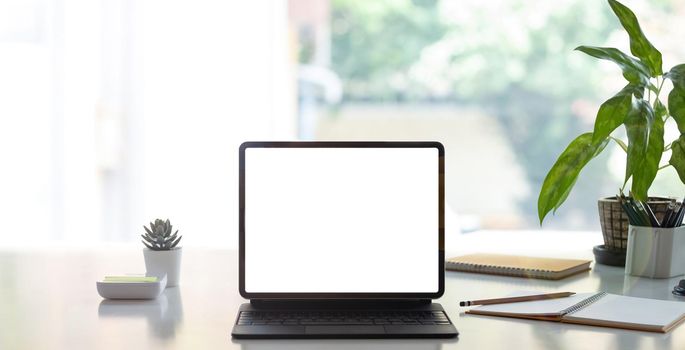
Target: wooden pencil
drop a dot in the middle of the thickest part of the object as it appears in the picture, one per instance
(516, 299)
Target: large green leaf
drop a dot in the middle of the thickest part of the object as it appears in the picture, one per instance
(678, 157)
(563, 197)
(676, 99)
(633, 70)
(644, 175)
(659, 109)
(638, 124)
(677, 75)
(613, 111)
(639, 45)
(564, 172)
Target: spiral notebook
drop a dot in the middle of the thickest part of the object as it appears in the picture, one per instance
(518, 266)
(595, 309)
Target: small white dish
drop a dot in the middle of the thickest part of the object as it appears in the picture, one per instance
(131, 290)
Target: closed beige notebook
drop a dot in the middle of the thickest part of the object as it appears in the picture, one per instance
(518, 266)
(595, 309)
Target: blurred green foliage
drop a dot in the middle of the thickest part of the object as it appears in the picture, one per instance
(461, 50)
(511, 58)
(374, 42)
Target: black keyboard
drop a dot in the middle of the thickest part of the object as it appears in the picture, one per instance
(341, 317)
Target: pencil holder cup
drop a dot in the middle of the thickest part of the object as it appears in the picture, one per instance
(655, 252)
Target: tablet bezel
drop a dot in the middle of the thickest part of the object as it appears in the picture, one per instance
(344, 144)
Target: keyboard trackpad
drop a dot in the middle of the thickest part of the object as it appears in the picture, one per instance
(344, 330)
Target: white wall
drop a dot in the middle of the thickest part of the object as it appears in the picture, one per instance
(113, 113)
(214, 75)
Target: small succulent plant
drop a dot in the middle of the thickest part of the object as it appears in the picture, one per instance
(159, 237)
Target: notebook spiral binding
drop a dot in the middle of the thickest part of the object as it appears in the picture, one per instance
(583, 303)
(481, 267)
(498, 270)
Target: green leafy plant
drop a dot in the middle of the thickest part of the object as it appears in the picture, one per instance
(159, 237)
(638, 108)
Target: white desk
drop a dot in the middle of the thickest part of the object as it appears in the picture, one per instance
(48, 301)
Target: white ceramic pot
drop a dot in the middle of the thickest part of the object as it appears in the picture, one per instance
(167, 262)
(655, 252)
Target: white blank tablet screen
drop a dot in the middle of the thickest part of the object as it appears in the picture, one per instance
(341, 220)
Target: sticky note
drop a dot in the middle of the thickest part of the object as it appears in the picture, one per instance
(130, 279)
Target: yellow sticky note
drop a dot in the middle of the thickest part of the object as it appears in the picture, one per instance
(129, 279)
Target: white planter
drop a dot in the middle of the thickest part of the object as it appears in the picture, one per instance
(167, 262)
(655, 252)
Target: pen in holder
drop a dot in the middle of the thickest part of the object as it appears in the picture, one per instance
(655, 247)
